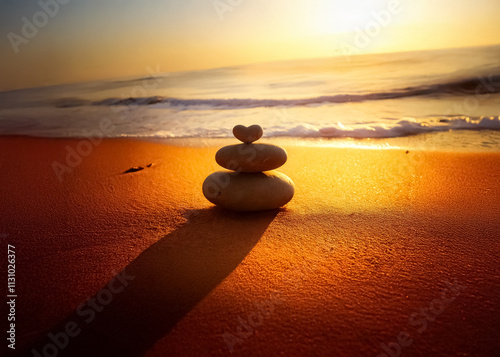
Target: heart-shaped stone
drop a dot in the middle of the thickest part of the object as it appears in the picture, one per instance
(248, 135)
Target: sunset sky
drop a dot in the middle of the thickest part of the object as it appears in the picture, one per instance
(93, 39)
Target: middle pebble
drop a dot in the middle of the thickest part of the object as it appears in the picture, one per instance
(251, 157)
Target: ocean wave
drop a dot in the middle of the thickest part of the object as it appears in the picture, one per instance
(471, 86)
(404, 127)
(167, 123)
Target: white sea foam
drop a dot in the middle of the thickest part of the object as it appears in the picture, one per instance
(411, 127)
(171, 123)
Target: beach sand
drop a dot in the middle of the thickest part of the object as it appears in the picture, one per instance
(380, 251)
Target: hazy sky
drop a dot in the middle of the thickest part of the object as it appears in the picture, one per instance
(94, 39)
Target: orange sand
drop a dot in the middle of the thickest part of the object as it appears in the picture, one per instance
(371, 238)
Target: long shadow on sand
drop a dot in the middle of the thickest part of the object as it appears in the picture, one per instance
(170, 278)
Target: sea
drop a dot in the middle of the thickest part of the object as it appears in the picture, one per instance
(444, 99)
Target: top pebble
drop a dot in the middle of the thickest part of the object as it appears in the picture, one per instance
(248, 135)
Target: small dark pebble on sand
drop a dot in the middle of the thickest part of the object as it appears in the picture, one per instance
(133, 169)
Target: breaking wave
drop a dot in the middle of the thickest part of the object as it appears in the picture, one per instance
(475, 86)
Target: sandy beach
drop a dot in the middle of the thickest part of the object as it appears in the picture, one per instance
(382, 252)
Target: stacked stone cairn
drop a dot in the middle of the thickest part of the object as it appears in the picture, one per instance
(251, 184)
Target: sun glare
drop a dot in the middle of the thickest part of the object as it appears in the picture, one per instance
(341, 17)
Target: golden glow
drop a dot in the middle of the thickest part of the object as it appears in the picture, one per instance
(349, 180)
(97, 40)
